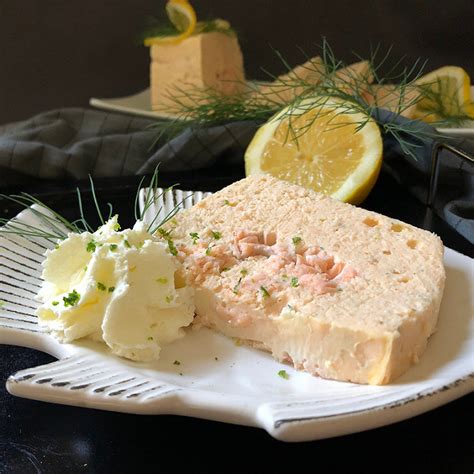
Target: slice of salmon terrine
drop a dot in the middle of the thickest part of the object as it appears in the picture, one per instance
(333, 289)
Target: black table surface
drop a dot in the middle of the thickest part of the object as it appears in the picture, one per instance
(43, 437)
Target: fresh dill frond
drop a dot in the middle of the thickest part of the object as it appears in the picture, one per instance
(161, 27)
(54, 227)
(338, 91)
(439, 104)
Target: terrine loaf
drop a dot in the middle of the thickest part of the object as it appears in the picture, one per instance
(338, 291)
(207, 60)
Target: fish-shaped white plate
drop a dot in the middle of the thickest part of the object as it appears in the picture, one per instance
(217, 380)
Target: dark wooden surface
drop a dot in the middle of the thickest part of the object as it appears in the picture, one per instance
(40, 437)
(57, 53)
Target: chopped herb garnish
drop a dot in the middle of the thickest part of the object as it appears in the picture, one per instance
(169, 299)
(285, 277)
(208, 250)
(117, 227)
(150, 338)
(164, 233)
(176, 362)
(55, 303)
(113, 247)
(265, 292)
(228, 203)
(225, 269)
(162, 280)
(173, 249)
(194, 236)
(127, 243)
(244, 272)
(71, 299)
(111, 289)
(56, 246)
(140, 245)
(283, 374)
(174, 222)
(216, 235)
(237, 286)
(85, 268)
(294, 282)
(91, 246)
(101, 286)
(296, 240)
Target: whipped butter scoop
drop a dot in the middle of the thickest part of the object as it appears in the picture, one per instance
(115, 286)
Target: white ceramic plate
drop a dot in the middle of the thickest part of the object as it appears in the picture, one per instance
(140, 104)
(221, 381)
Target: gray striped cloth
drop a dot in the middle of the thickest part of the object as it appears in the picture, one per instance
(74, 142)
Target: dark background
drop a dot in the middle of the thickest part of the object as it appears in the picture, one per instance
(57, 53)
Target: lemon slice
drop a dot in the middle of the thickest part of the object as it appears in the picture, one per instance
(183, 17)
(445, 92)
(328, 155)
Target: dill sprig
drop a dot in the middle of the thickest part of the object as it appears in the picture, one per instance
(336, 91)
(440, 105)
(159, 28)
(54, 227)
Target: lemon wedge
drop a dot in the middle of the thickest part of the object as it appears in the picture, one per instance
(320, 148)
(444, 92)
(183, 17)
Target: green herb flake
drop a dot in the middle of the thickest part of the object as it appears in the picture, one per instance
(228, 203)
(225, 269)
(101, 286)
(294, 282)
(113, 247)
(169, 299)
(296, 240)
(264, 292)
(285, 277)
(208, 250)
(2, 303)
(176, 362)
(235, 290)
(283, 374)
(91, 246)
(162, 280)
(71, 299)
(244, 272)
(127, 243)
(172, 248)
(55, 303)
(111, 289)
(150, 338)
(216, 235)
(140, 245)
(164, 233)
(117, 227)
(194, 236)
(56, 246)
(85, 268)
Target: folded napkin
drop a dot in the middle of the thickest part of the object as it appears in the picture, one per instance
(75, 142)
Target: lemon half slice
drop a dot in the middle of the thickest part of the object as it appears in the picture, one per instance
(183, 17)
(320, 148)
(446, 90)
